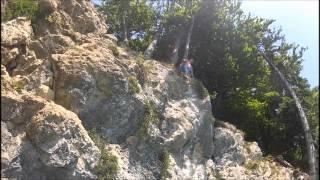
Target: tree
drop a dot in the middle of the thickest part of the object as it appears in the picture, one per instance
(3, 7)
(303, 118)
(175, 52)
(186, 51)
(152, 46)
(135, 30)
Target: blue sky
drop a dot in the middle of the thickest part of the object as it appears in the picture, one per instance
(300, 24)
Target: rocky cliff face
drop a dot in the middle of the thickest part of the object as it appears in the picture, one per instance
(66, 77)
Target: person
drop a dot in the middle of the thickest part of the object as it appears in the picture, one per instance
(186, 67)
(183, 68)
(189, 65)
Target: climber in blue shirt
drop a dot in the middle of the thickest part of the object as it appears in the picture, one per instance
(186, 68)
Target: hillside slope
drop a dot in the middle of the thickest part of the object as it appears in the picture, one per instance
(66, 78)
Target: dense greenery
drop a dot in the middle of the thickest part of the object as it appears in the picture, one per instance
(16, 8)
(224, 45)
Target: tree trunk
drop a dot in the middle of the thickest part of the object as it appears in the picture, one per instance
(124, 8)
(152, 46)
(303, 119)
(187, 47)
(175, 52)
(3, 7)
(125, 31)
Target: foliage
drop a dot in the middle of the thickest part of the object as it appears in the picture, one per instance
(251, 165)
(16, 8)
(98, 140)
(143, 70)
(262, 164)
(108, 164)
(114, 50)
(150, 116)
(165, 164)
(54, 18)
(133, 85)
(313, 113)
(224, 45)
(201, 90)
(18, 86)
(139, 18)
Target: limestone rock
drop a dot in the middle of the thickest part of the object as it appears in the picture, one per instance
(235, 158)
(111, 37)
(45, 92)
(48, 5)
(42, 140)
(230, 147)
(69, 16)
(16, 32)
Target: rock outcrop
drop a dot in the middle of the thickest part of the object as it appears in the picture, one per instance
(64, 77)
(235, 158)
(42, 140)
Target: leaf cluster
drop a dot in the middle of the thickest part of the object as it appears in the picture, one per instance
(17, 8)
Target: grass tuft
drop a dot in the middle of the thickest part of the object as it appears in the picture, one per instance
(133, 85)
(143, 70)
(164, 165)
(201, 90)
(114, 50)
(150, 116)
(107, 166)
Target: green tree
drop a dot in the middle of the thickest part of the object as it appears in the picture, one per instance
(130, 21)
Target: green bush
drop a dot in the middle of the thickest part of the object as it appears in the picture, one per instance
(114, 50)
(150, 116)
(16, 8)
(18, 86)
(251, 165)
(54, 18)
(133, 85)
(108, 164)
(165, 164)
(143, 70)
(201, 90)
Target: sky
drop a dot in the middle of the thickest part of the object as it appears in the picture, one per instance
(299, 20)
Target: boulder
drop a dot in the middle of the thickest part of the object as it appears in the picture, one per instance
(67, 17)
(42, 140)
(16, 32)
(231, 149)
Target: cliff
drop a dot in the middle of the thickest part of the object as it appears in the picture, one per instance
(64, 77)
